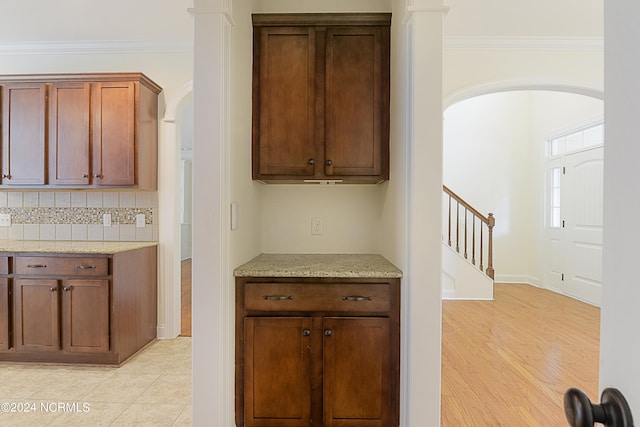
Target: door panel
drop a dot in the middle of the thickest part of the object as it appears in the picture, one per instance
(584, 182)
(85, 315)
(285, 130)
(23, 118)
(36, 310)
(355, 101)
(69, 133)
(114, 144)
(5, 313)
(356, 372)
(277, 372)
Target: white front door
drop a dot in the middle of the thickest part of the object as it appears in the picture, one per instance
(575, 236)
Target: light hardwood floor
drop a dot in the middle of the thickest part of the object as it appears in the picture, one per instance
(508, 362)
(185, 278)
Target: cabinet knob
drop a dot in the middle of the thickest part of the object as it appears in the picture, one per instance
(311, 161)
(86, 175)
(52, 289)
(306, 332)
(99, 176)
(68, 288)
(327, 332)
(6, 175)
(329, 162)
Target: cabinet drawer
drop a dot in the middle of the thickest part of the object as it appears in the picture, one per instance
(338, 297)
(4, 264)
(62, 266)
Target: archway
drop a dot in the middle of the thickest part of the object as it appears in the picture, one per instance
(169, 298)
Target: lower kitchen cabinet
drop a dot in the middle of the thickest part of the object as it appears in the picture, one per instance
(37, 315)
(81, 304)
(5, 318)
(317, 352)
(97, 309)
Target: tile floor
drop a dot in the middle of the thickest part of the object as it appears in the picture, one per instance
(151, 389)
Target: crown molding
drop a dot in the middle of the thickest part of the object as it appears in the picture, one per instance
(525, 43)
(95, 46)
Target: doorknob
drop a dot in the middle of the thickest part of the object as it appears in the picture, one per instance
(613, 410)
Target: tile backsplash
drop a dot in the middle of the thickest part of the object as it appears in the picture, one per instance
(78, 215)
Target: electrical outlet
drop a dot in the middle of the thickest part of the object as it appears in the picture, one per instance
(5, 220)
(106, 220)
(316, 225)
(140, 220)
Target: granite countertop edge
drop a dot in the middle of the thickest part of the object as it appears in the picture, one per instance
(319, 265)
(72, 247)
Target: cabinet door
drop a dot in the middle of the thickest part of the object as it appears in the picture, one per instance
(23, 133)
(357, 102)
(357, 372)
(277, 388)
(85, 315)
(36, 309)
(5, 323)
(69, 134)
(284, 102)
(114, 144)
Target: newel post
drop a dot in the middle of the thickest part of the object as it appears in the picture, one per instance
(490, 223)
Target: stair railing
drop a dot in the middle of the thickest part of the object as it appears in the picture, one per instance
(460, 214)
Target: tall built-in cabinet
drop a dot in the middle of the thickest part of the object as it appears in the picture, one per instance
(321, 97)
(79, 131)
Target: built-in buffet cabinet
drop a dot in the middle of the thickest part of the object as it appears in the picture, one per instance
(77, 306)
(321, 97)
(79, 131)
(317, 341)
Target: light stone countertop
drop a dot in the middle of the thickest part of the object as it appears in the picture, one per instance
(71, 247)
(318, 265)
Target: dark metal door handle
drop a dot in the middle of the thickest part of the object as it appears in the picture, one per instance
(613, 410)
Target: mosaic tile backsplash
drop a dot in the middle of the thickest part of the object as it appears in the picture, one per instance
(78, 215)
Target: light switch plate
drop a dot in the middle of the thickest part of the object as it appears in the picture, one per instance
(5, 220)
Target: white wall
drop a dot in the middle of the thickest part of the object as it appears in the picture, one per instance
(494, 159)
(487, 161)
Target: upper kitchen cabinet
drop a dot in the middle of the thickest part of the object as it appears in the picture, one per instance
(321, 97)
(101, 131)
(23, 133)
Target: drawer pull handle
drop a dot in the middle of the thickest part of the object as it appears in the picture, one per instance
(356, 298)
(36, 265)
(278, 297)
(85, 267)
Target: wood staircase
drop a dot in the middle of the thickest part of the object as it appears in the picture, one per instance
(468, 234)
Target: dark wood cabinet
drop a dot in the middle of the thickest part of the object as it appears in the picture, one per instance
(317, 352)
(69, 131)
(85, 315)
(23, 133)
(37, 315)
(5, 313)
(102, 130)
(278, 371)
(321, 97)
(78, 308)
